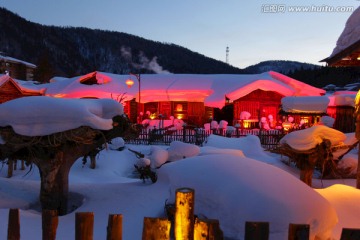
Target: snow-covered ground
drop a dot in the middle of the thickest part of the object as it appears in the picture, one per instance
(230, 184)
(234, 180)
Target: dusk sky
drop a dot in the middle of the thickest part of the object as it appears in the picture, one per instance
(254, 31)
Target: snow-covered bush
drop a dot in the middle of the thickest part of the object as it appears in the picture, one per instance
(117, 144)
(327, 121)
(158, 156)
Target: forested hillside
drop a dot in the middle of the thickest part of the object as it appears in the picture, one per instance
(70, 51)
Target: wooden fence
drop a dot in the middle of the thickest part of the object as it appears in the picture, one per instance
(180, 224)
(269, 138)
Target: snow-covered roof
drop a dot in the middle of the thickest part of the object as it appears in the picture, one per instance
(21, 87)
(14, 60)
(208, 88)
(350, 34)
(342, 98)
(308, 104)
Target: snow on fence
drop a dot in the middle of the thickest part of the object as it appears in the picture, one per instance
(180, 223)
(163, 136)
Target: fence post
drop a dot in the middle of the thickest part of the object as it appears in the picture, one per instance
(156, 229)
(350, 234)
(256, 230)
(299, 231)
(84, 225)
(184, 134)
(50, 223)
(13, 224)
(114, 228)
(148, 136)
(184, 214)
(207, 229)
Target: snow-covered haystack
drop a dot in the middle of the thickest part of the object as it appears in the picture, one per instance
(40, 116)
(237, 189)
(308, 138)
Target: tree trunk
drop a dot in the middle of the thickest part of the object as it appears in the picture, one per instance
(92, 161)
(55, 183)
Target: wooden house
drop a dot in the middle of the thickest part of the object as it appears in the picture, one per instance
(194, 98)
(10, 89)
(348, 57)
(261, 98)
(304, 111)
(16, 68)
(342, 108)
(345, 54)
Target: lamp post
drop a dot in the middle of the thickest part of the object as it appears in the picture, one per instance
(138, 77)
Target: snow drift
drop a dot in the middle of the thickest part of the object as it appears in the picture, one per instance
(273, 195)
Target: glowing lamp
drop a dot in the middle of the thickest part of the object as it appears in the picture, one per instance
(286, 125)
(180, 116)
(152, 116)
(129, 83)
(179, 107)
(246, 124)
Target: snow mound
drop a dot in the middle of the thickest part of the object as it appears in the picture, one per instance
(255, 151)
(40, 116)
(179, 150)
(227, 189)
(206, 150)
(341, 197)
(308, 138)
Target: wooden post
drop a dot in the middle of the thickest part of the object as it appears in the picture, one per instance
(201, 230)
(207, 229)
(50, 223)
(84, 225)
(184, 214)
(350, 234)
(14, 225)
(156, 229)
(299, 231)
(184, 134)
(114, 228)
(256, 230)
